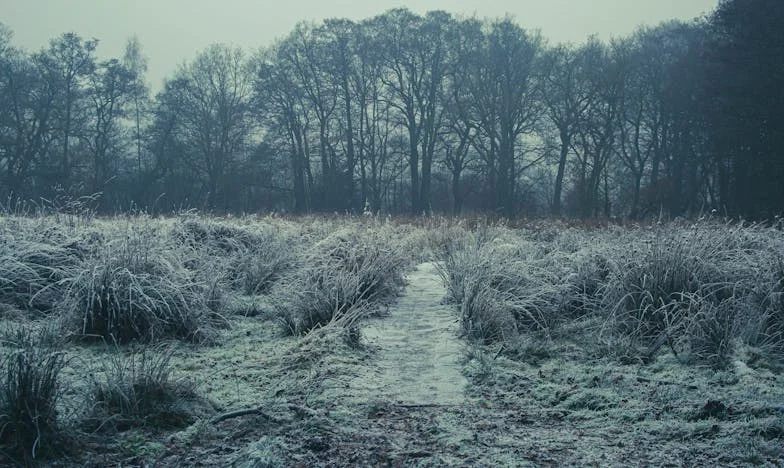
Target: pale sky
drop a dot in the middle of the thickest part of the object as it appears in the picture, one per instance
(174, 31)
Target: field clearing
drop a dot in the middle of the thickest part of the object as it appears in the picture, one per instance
(267, 341)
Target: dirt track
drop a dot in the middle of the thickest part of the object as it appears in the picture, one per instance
(417, 348)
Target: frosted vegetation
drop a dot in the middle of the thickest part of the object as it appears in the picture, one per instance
(700, 290)
(216, 340)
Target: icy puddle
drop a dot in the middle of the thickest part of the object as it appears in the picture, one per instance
(417, 348)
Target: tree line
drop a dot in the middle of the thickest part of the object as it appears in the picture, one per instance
(408, 113)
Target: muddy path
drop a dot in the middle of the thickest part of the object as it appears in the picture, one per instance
(417, 349)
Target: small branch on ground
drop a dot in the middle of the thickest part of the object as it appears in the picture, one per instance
(244, 412)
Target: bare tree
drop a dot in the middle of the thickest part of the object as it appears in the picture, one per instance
(567, 96)
(415, 58)
(67, 65)
(504, 99)
(375, 124)
(136, 62)
(110, 89)
(213, 105)
(596, 138)
(279, 103)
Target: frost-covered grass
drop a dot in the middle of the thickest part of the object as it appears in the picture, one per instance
(666, 339)
(349, 270)
(30, 367)
(136, 287)
(582, 341)
(701, 291)
(137, 389)
(130, 283)
(35, 256)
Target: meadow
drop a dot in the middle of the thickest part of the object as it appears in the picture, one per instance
(201, 340)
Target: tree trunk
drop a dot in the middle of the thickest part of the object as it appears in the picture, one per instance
(298, 173)
(66, 164)
(559, 177)
(635, 211)
(350, 156)
(326, 170)
(414, 170)
(457, 196)
(505, 203)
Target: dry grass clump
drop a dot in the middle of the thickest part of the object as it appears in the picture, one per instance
(253, 269)
(350, 268)
(709, 333)
(657, 276)
(687, 287)
(203, 232)
(137, 288)
(249, 258)
(33, 262)
(29, 391)
(759, 321)
(696, 290)
(137, 389)
(30, 273)
(501, 284)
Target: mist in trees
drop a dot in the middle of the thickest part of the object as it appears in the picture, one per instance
(408, 113)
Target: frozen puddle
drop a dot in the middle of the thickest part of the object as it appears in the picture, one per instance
(416, 361)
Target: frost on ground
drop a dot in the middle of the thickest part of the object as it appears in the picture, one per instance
(297, 344)
(417, 349)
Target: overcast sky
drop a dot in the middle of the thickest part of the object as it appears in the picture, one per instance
(173, 31)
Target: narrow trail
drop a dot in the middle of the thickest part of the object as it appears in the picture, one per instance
(417, 348)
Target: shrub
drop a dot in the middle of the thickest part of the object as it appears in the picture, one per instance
(29, 392)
